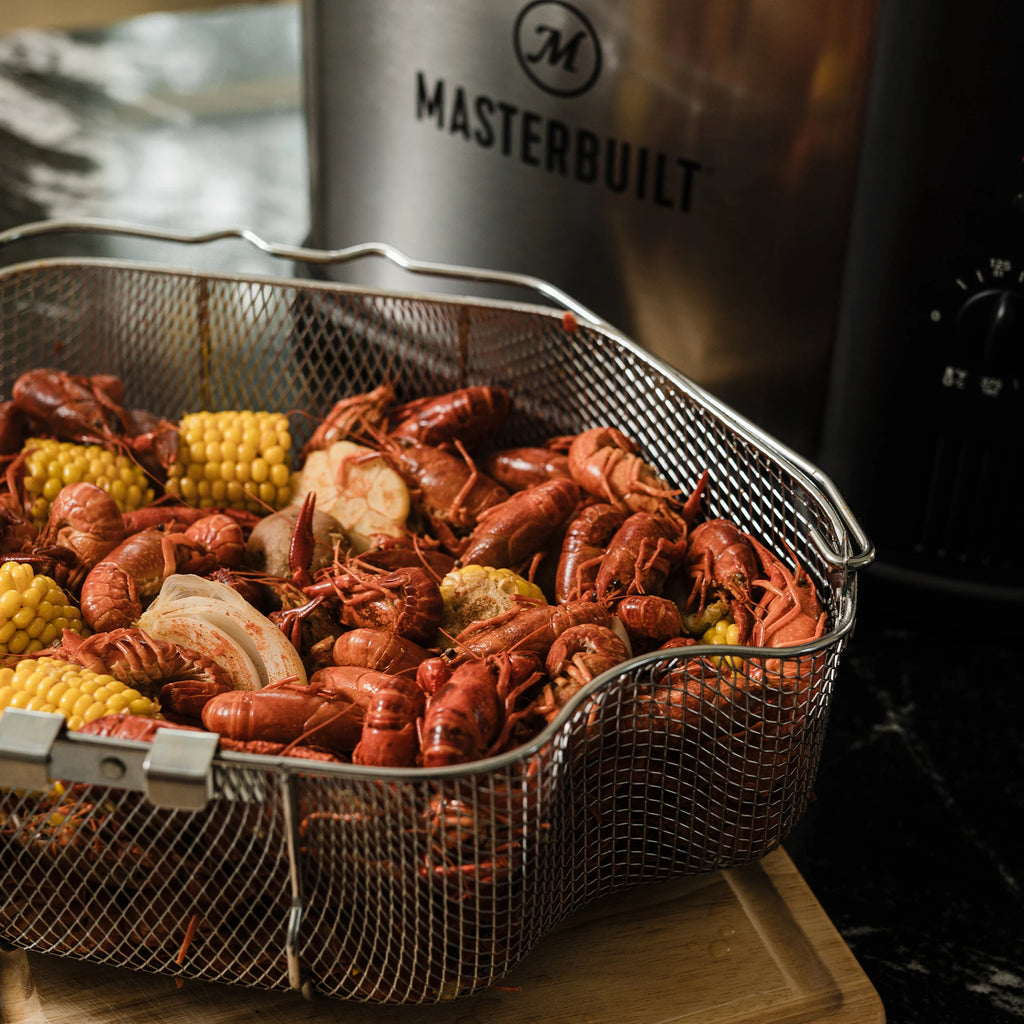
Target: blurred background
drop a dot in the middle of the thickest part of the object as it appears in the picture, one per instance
(184, 116)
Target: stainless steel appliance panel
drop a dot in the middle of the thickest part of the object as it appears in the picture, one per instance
(684, 169)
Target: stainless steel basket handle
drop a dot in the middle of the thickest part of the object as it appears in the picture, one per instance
(863, 550)
(302, 254)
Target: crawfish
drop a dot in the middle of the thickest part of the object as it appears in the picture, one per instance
(352, 419)
(413, 549)
(648, 618)
(86, 520)
(20, 539)
(519, 468)
(698, 694)
(72, 408)
(219, 535)
(266, 748)
(118, 587)
(450, 490)
(153, 441)
(406, 601)
(789, 612)
(180, 678)
(513, 533)
(144, 729)
(288, 712)
(607, 463)
(354, 681)
(721, 564)
(432, 673)
(126, 726)
(640, 555)
(472, 714)
(88, 409)
(178, 517)
(16, 530)
(466, 415)
(311, 624)
(527, 628)
(390, 736)
(379, 649)
(576, 657)
(586, 540)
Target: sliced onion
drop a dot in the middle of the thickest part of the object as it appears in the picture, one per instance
(198, 634)
(215, 620)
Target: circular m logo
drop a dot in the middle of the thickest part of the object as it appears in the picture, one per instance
(557, 47)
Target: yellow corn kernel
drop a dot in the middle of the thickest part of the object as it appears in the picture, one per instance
(724, 631)
(33, 610)
(233, 459)
(50, 464)
(79, 694)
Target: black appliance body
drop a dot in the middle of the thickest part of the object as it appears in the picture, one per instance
(923, 424)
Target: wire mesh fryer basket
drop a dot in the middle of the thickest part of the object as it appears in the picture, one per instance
(394, 886)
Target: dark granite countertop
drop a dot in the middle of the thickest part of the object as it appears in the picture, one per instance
(913, 843)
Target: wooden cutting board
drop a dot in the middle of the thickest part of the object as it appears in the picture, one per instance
(746, 946)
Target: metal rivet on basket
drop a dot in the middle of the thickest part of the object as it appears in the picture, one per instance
(111, 768)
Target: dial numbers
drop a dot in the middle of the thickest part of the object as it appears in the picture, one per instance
(984, 332)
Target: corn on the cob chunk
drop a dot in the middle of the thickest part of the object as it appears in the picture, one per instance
(233, 459)
(79, 694)
(50, 464)
(474, 592)
(724, 631)
(34, 610)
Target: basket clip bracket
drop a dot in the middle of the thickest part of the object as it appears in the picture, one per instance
(175, 770)
(178, 769)
(26, 744)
